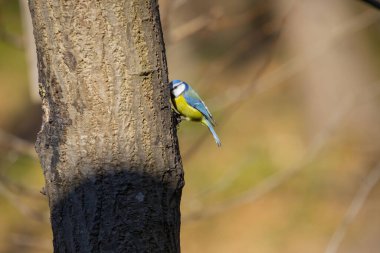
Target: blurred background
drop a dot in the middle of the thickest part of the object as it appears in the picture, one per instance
(295, 89)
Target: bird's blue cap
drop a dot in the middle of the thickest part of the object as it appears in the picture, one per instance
(176, 81)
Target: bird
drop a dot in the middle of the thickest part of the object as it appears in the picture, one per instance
(189, 105)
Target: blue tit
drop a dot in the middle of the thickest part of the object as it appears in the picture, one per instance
(189, 105)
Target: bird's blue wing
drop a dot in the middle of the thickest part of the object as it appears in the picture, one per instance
(194, 100)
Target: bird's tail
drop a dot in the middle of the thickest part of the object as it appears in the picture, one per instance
(209, 125)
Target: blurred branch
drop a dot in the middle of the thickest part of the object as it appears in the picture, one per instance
(221, 63)
(373, 3)
(31, 242)
(8, 37)
(17, 144)
(195, 25)
(283, 72)
(22, 208)
(254, 76)
(226, 180)
(319, 142)
(6, 187)
(297, 64)
(214, 20)
(168, 7)
(165, 9)
(356, 205)
(228, 112)
(17, 188)
(14, 40)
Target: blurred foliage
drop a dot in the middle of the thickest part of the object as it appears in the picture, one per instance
(285, 175)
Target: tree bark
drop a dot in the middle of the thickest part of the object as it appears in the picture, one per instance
(108, 144)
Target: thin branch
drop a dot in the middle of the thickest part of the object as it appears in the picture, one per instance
(214, 20)
(8, 37)
(280, 74)
(167, 8)
(17, 144)
(220, 64)
(297, 64)
(11, 39)
(225, 181)
(319, 143)
(17, 188)
(356, 205)
(251, 79)
(31, 242)
(7, 190)
(195, 25)
(25, 210)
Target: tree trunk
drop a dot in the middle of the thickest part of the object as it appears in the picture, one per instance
(108, 144)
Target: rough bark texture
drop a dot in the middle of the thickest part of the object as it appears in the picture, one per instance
(108, 145)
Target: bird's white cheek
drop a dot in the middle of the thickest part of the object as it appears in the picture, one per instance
(178, 90)
(176, 93)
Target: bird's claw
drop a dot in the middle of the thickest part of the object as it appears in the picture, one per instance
(177, 118)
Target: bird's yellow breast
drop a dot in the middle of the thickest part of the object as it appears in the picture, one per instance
(186, 110)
